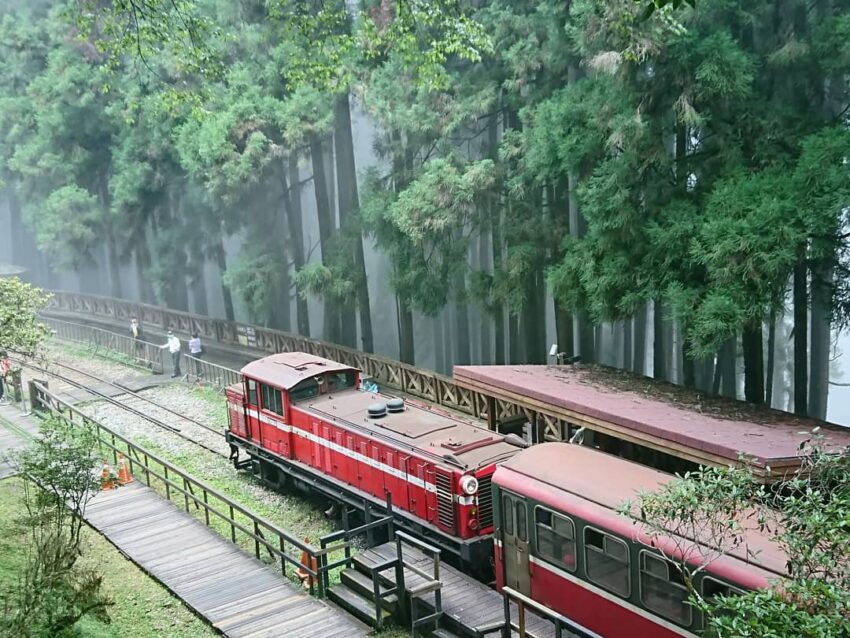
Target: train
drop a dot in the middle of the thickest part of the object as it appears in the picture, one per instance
(305, 419)
(541, 519)
(561, 540)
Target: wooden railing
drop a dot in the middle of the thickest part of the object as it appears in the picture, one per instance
(430, 582)
(201, 500)
(435, 388)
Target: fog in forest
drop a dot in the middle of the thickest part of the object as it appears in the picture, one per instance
(437, 345)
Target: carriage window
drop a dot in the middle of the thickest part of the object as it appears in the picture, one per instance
(606, 561)
(556, 538)
(521, 526)
(252, 392)
(272, 400)
(663, 590)
(507, 515)
(713, 588)
(307, 389)
(340, 381)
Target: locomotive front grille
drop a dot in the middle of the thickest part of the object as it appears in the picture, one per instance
(445, 501)
(485, 502)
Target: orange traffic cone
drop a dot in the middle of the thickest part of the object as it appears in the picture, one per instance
(124, 475)
(307, 562)
(106, 477)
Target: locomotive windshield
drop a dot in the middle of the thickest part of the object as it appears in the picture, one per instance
(322, 384)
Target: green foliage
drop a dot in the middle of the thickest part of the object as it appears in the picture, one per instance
(20, 304)
(804, 515)
(53, 592)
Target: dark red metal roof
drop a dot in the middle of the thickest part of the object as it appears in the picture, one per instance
(287, 369)
(414, 427)
(773, 439)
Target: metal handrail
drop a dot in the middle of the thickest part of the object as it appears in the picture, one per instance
(140, 350)
(212, 373)
(174, 479)
(523, 603)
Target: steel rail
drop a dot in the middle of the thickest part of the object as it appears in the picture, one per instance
(113, 401)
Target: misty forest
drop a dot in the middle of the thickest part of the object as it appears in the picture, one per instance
(449, 182)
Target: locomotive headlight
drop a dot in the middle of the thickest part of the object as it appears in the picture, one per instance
(469, 484)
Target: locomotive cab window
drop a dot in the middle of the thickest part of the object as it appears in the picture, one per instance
(556, 538)
(663, 590)
(307, 389)
(272, 400)
(606, 561)
(252, 392)
(340, 381)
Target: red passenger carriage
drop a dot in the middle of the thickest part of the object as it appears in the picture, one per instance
(561, 541)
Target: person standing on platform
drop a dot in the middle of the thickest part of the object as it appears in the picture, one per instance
(173, 345)
(5, 366)
(195, 346)
(136, 333)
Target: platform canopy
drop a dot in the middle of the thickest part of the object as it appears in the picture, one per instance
(660, 416)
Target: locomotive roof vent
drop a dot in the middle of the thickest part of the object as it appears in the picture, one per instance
(395, 405)
(377, 410)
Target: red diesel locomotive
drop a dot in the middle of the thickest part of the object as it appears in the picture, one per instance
(561, 541)
(304, 418)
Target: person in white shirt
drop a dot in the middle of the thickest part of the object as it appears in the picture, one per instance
(195, 346)
(173, 345)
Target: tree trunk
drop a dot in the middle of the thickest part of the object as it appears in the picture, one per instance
(115, 289)
(143, 264)
(534, 320)
(659, 356)
(346, 173)
(753, 364)
(462, 349)
(292, 203)
(197, 284)
(485, 332)
(405, 333)
(688, 364)
(221, 260)
(780, 365)
(820, 342)
(498, 308)
(513, 339)
(627, 344)
(801, 335)
(448, 340)
(439, 354)
(331, 328)
(726, 363)
(640, 340)
(771, 358)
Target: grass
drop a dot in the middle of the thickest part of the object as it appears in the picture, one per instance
(142, 608)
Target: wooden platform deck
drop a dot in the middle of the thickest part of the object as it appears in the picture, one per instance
(238, 594)
(467, 603)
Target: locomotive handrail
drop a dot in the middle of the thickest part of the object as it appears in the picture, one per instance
(523, 602)
(172, 478)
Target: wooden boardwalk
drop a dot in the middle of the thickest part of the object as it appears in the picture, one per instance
(468, 604)
(15, 432)
(238, 594)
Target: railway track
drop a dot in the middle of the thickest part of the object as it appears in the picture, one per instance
(136, 400)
